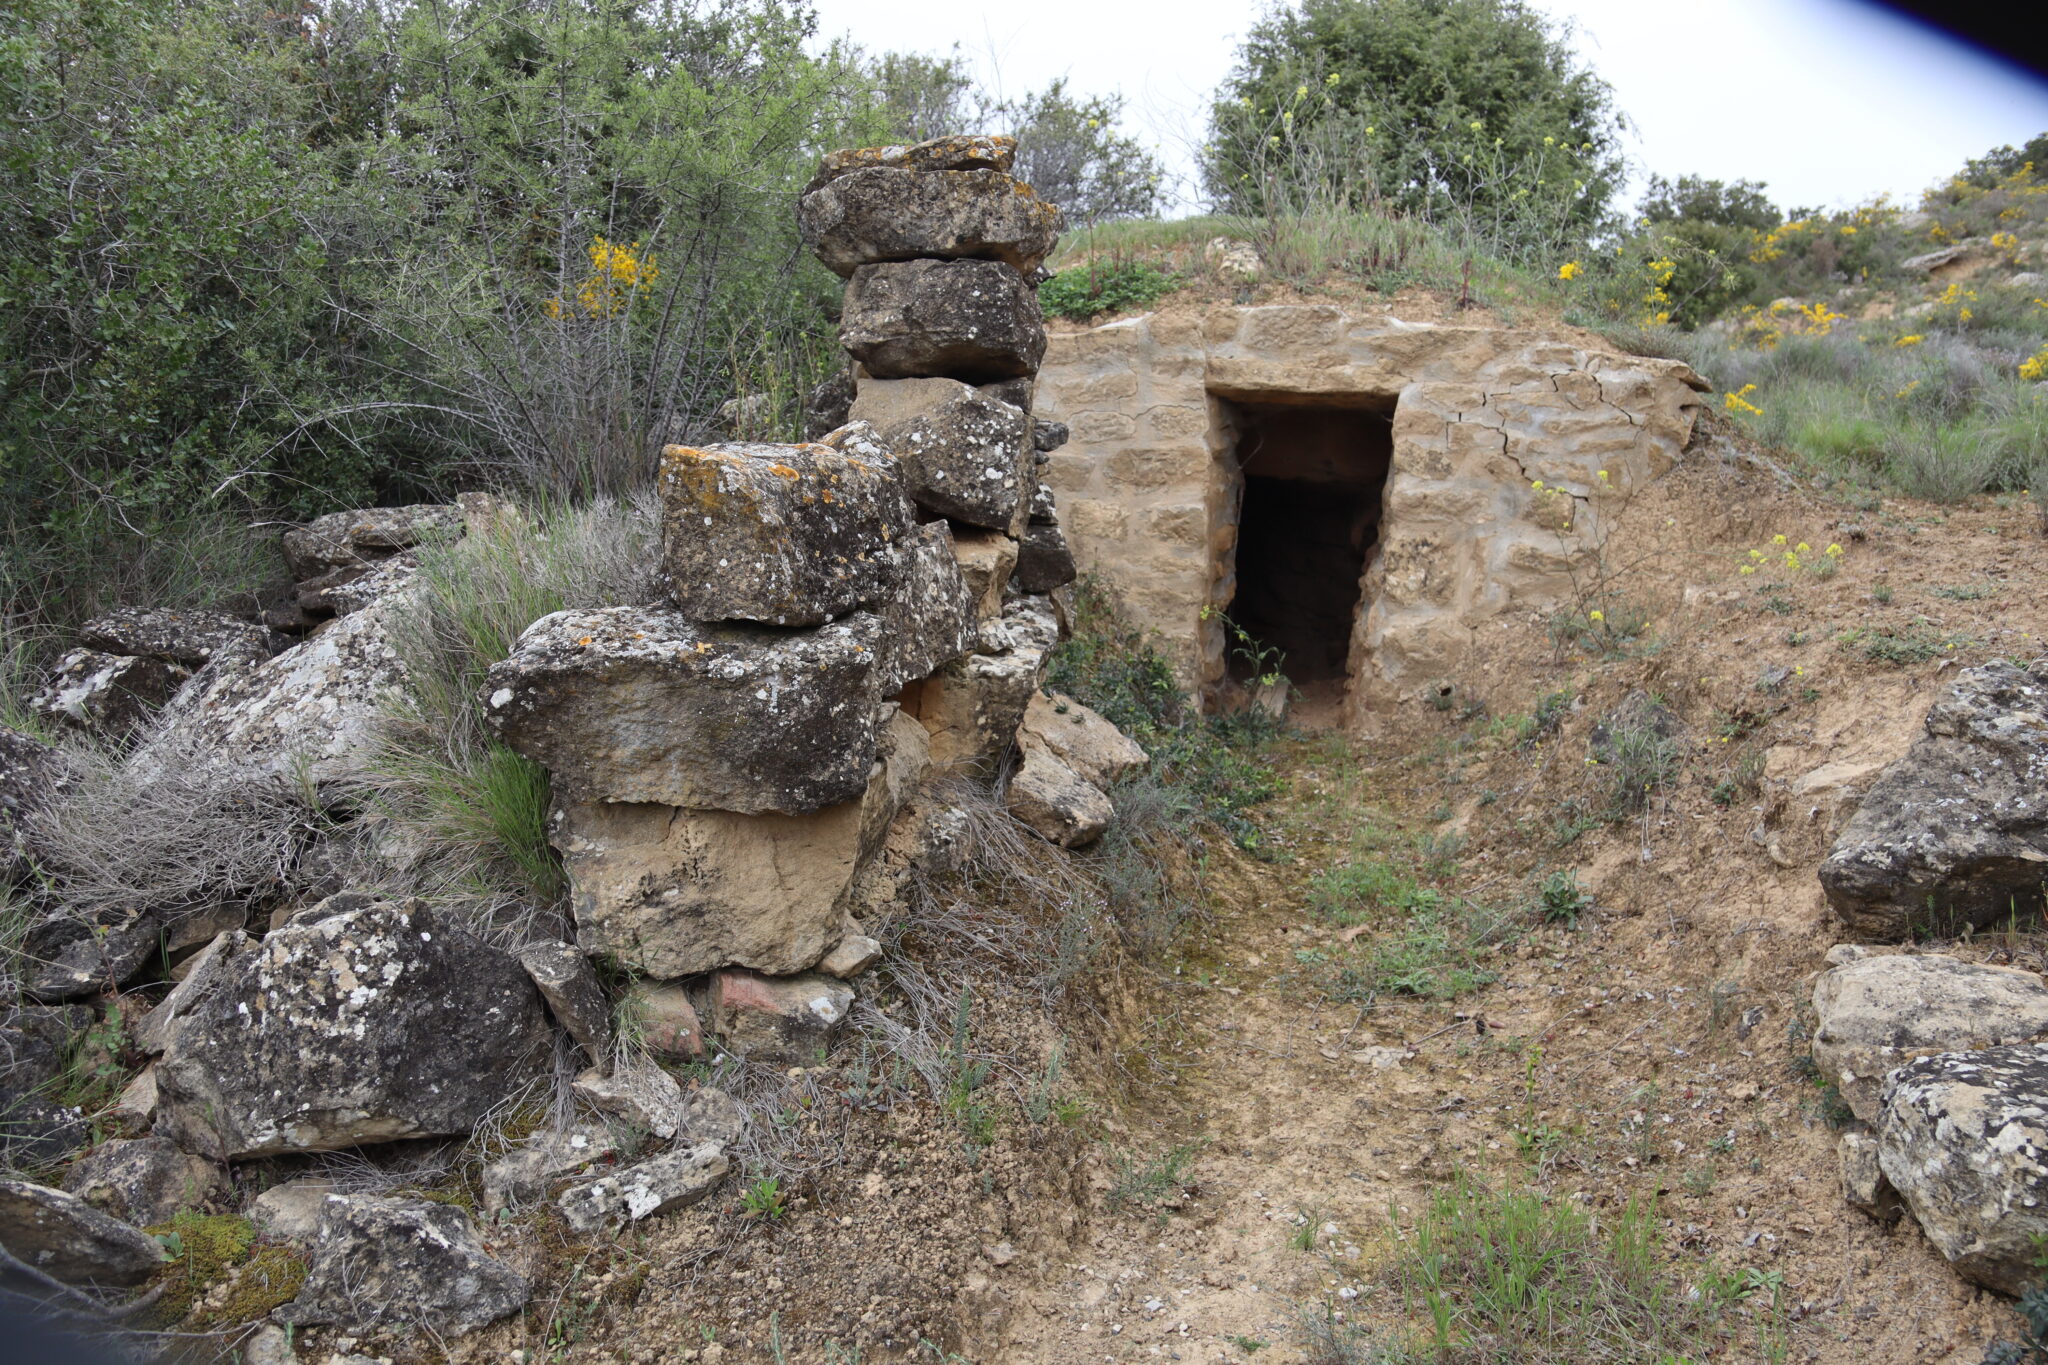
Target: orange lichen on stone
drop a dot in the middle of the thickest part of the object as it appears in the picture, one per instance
(785, 471)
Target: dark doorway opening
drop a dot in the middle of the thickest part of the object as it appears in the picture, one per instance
(1313, 477)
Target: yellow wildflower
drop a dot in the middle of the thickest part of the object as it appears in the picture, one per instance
(1777, 540)
(1834, 552)
(1910, 339)
(1568, 271)
(1596, 615)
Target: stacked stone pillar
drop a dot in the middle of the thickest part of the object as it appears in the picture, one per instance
(942, 249)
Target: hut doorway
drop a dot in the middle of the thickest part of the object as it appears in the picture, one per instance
(1311, 481)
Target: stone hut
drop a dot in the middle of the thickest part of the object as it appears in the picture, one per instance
(1358, 491)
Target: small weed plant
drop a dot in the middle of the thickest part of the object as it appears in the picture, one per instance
(1159, 1182)
(1560, 899)
(1106, 287)
(763, 1199)
(1514, 1276)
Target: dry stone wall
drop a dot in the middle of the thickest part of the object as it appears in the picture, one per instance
(1496, 498)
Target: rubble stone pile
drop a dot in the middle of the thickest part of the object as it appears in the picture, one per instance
(741, 773)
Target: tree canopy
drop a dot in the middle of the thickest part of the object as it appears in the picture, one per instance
(1435, 107)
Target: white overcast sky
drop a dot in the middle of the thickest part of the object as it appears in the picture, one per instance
(1827, 101)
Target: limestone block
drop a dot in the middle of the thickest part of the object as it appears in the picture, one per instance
(779, 1019)
(1082, 738)
(1058, 804)
(667, 1020)
(1071, 472)
(793, 535)
(1292, 330)
(406, 1262)
(569, 984)
(637, 704)
(1109, 390)
(312, 712)
(885, 213)
(1178, 524)
(1102, 428)
(961, 152)
(1185, 465)
(1095, 522)
(976, 321)
(1170, 421)
(971, 708)
(675, 1179)
(191, 638)
(930, 613)
(669, 892)
(987, 558)
(365, 535)
(1877, 1013)
(964, 455)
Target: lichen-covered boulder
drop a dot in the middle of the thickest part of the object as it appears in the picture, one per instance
(965, 455)
(109, 695)
(670, 892)
(370, 1026)
(70, 1240)
(1963, 1137)
(34, 1041)
(191, 638)
(791, 535)
(959, 152)
(887, 213)
(1081, 737)
(402, 1263)
(145, 1180)
(1877, 1013)
(641, 704)
(32, 774)
(929, 616)
(975, 321)
(366, 535)
(1956, 831)
(1044, 560)
(827, 407)
(312, 711)
(676, 1179)
(68, 954)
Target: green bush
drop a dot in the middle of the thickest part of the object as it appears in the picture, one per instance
(1108, 287)
(1473, 111)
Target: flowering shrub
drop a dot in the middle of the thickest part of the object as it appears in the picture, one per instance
(618, 275)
